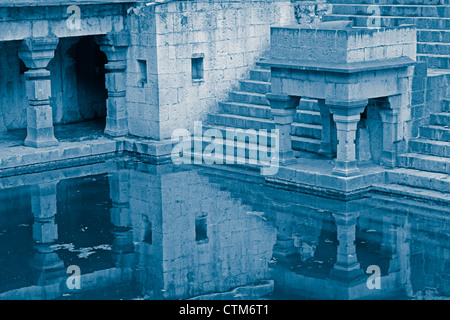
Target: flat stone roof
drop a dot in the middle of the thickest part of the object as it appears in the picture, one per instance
(47, 3)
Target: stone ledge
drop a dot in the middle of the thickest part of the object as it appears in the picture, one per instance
(47, 3)
(353, 67)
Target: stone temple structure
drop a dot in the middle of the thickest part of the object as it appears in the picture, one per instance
(357, 89)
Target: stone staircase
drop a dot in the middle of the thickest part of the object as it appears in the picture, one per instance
(248, 108)
(427, 164)
(431, 17)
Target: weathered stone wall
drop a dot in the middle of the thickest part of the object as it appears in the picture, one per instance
(229, 35)
(310, 11)
(20, 22)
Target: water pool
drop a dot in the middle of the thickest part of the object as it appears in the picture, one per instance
(129, 230)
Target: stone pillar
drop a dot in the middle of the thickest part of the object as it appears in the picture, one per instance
(325, 143)
(115, 46)
(347, 267)
(283, 109)
(46, 265)
(389, 112)
(36, 53)
(346, 115)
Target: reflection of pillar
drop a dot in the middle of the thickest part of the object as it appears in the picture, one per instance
(284, 245)
(347, 267)
(283, 109)
(346, 116)
(36, 53)
(115, 46)
(122, 247)
(46, 265)
(396, 242)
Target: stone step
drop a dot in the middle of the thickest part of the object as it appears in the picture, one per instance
(442, 118)
(437, 48)
(434, 132)
(424, 162)
(305, 144)
(412, 192)
(260, 75)
(391, 21)
(235, 151)
(263, 137)
(433, 35)
(246, 110)
(446, 105)
(435, 61)
(308, 117)
(430, 147)
(395, 10)
(420, 179)
(255, 86)
(236, 121)
(377, 2)
(306, 130)
(249, 98)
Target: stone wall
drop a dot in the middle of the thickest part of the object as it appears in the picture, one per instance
(228, 35)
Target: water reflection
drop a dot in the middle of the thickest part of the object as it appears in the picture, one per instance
(139, 231)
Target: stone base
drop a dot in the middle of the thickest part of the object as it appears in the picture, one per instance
(346, 169)
(41, 144)
(287, 158)
(116, 133)
(347, 275)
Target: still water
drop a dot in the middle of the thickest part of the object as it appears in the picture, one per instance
(138, 231)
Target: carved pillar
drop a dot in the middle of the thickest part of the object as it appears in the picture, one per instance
(115, 46)
(283, 108)
(346, 115)
(36, 53)
(390, 115)
(325, 143)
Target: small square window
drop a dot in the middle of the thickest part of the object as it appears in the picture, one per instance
(201, 229)
(142, 64)
(197, 67)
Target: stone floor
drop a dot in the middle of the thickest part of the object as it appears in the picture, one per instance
(76, 141)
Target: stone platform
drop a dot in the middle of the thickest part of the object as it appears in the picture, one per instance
(85, 143)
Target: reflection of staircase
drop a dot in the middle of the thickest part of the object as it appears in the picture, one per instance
(248, 108)
(431, 17)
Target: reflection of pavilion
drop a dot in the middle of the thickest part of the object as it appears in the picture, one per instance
(346, 277)
(324, 246)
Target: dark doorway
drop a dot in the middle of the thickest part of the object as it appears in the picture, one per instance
(90, 79)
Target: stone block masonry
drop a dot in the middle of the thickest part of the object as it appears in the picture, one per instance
(227, 36)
